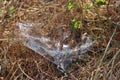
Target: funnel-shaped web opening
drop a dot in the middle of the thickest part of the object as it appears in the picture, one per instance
(52, 48)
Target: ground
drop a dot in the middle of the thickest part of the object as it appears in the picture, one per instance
(102, 22)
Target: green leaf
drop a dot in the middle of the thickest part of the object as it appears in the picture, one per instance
(75, 24)
(87, 6)
(100, 2)
(70, 5)
(12, 8)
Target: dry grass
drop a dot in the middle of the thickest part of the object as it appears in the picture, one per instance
(17, 62)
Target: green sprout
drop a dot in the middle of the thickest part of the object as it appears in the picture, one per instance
(88, 6)
(100, 2)
(70, 5)
(75, 24)
(11, 10)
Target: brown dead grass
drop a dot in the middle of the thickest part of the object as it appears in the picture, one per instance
(17, 62)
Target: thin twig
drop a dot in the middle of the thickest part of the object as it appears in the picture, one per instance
(100, 63)
(107, 47)
(7, 39)
(113, 63)
(13, 74)
(16, 78)
(24, 72)
(10, 71)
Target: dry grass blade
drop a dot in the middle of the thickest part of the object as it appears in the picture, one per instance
(40, 70)
(113, 61)
(4, 39)
(101, 60)
(107, 47)
(16, 78)
(9, 39)
(10, 72)
(13, 74)
(19, 65)
(73, 77)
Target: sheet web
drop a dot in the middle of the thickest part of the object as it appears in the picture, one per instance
(52, 48)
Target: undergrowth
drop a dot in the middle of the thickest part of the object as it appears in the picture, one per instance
(99, 18)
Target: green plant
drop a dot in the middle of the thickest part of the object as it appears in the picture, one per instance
(99, 2)
(11, 10)
(88, 5)
(75, 24)
(70, 5)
